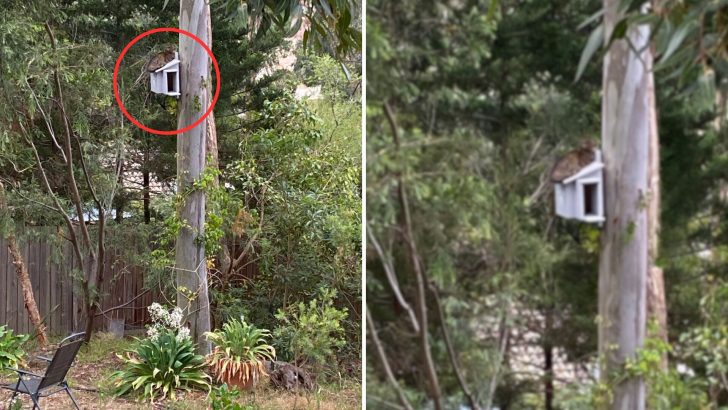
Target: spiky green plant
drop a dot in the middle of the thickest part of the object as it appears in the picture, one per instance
(240, 349)
(160, 365)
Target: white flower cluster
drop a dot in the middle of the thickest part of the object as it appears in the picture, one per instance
(165, 320)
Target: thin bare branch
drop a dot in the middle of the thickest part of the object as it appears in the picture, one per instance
(503, 334)
(103, 313)
(56, 202)
(374, 337)
(47, 120)
(451, 350)
(434, 384)
(392, 278)
(73, 186)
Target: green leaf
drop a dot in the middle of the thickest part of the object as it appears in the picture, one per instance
(594, 17)
(595, 41)
(676, 40)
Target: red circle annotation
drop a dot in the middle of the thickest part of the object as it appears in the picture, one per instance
(116, 85)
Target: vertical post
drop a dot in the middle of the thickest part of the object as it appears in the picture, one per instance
(628, 131)
(190, 262)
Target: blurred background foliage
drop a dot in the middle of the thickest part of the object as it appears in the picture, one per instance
(483, 99)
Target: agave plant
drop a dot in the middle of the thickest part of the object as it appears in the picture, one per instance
(240, 350)
(160, 365)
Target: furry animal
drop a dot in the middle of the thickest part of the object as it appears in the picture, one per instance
(160, 59)
(573, 162)
(155, 63)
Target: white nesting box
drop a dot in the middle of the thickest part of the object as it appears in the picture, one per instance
(581, 196)
(165, 80)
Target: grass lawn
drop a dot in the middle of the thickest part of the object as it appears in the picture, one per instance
(89, 379)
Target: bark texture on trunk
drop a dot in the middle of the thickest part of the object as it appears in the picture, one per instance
(190, 262)
(27, 288)
(656, 306)
(628, 129)
(23, 278)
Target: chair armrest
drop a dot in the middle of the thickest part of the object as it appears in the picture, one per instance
(23, 372)
(48, 360)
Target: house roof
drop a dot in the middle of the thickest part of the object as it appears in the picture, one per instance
(596, 165)
(170, 64)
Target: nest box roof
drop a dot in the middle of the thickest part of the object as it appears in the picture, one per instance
(597, 164)
(170, 64)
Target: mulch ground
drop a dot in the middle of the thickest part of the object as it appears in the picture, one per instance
(88, 379)
(85, 380)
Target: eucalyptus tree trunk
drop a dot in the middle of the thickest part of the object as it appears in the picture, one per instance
(628, 132)
(190, 262)
(656, 306)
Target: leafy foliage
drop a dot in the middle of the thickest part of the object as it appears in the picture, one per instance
(292, 198)
(475, 120)
(311, 332)
(224, 398)
(11, 347)
(331, 24)
(160, 366)
(668, 389)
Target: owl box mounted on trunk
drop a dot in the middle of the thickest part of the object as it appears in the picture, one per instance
(578, 179)
(163, 72)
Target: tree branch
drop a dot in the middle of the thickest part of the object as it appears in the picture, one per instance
(431, 373)
(385, 362)
(451, 350)
(123, 305)
(73, 186)
(392, 278)
(59, 207)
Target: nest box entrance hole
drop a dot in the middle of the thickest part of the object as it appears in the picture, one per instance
(591, 199)
(170, 81)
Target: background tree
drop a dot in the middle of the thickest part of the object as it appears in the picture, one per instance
(483, 113)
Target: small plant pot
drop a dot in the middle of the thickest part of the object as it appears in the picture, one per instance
(237, 381)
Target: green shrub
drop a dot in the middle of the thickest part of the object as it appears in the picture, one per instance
(160, 365)
(11, 352)
(16, 404)
(311, 332)
(224, 398)
(240, 349)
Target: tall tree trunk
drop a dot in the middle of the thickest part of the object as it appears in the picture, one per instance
(190, 262)
(628, 129)
(24, 278)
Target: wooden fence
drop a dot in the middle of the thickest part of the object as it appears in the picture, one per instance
(58, 301)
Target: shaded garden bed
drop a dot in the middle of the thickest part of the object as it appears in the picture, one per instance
(91, 385)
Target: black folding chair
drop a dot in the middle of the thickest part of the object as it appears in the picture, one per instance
(54, 380)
